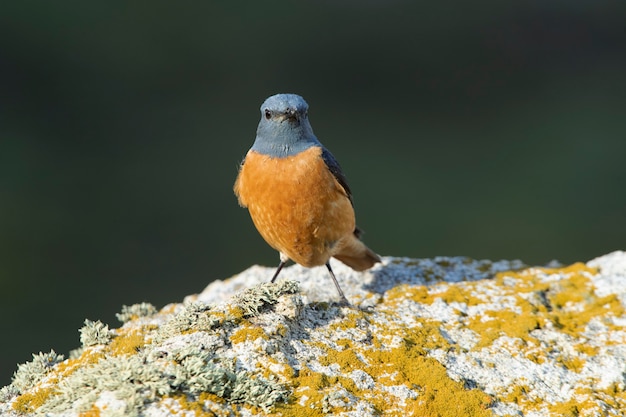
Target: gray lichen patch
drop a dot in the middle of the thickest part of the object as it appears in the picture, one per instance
(142, 363)
(95, 333)
(30, 373)
(133, 380)
(135, 311)
(194, 316)
(8, 393)
(255, 299)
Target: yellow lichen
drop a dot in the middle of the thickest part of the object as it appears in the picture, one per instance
(219, 316)
(309, 390)
(516, 394)
(537, 356)
(573, 363)
(570, 408)
(503, 323)
(89, 356)
(94, 411)
(418, 293)
(572, 304)
(270, 367)
(345, 358)
(460, 294)
(127, 343)
(30, 401)
(210, 397)
(248, 333)
(574, 321)
(577, 268)
(281, 330)
(350, 320)
(522, 395)
(408, 365)
(586, 349)
(436, 393)
(439, 395)
(235, 314)
(614, 396)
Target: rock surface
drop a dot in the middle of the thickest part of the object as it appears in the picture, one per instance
(423, 337)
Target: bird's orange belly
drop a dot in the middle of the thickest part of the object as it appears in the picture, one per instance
(296, 204)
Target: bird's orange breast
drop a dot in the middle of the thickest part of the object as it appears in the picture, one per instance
(296, 204)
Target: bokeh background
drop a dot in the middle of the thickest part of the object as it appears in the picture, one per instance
(492, 130)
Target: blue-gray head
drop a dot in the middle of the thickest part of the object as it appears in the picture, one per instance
(284, 128)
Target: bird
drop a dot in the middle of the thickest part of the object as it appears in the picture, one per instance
(296, 193)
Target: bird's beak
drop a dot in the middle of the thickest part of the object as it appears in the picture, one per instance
(291, 114)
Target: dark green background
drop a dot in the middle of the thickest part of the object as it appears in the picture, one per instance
(492, 130)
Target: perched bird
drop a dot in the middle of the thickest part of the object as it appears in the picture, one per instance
(296, 193)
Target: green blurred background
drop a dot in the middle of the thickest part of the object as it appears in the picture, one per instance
(492, 130)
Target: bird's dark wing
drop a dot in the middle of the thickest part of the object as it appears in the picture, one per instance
(335, 169)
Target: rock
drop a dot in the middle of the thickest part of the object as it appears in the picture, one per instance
(423, 337)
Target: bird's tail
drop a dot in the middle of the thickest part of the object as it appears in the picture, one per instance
(356, 255)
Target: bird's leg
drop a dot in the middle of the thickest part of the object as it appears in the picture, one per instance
(344, 300)
(280, 266)
(283, 261)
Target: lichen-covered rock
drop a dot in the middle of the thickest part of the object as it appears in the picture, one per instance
(423, 337)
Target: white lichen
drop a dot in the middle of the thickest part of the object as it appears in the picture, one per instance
(30, 373)
(135, 311)
(95, 333)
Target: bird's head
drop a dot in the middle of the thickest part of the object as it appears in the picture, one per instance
(284, 107)
(284, 128)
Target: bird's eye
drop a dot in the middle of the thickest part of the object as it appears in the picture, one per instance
(268, 114)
